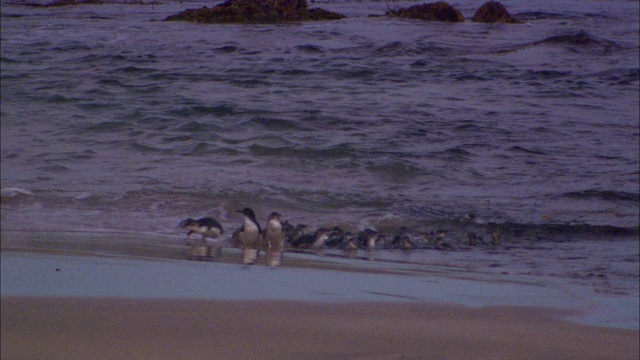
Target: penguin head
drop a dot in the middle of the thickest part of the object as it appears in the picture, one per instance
(247, 212)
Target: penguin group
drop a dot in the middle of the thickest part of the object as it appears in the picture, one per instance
(369, 239)
(249, 236)
(280, 235)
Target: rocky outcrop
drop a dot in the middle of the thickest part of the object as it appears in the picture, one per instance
(255, 11)
(321, 14)
(438, 11)
(493, 12)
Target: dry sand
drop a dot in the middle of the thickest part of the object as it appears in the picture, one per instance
(73, 328)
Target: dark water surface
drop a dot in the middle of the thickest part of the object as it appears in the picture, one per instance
(113, 120)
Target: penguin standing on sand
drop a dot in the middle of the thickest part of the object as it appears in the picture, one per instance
(350, 246)
(208, 227)
(369, 238)
(250, 235)
(275, 239)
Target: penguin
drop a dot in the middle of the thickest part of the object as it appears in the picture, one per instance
(495, 238)
(315, 241)
(403, 239)
(439, 240)
(320, 238)
(369, 238)
(293, 233)
(473, 238)
(208, 227)
(405, 243)
(336, 236)
(274, 235)
(350, 245)
(439, 236)
(249, 235)
(350, 241)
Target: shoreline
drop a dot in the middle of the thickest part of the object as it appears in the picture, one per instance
(144, 328)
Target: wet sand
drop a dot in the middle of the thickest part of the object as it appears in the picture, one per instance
(77, 328)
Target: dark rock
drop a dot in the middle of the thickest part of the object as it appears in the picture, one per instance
(56, 3)
(255, 11)
(493, 12)
(321, 14)
(438, 11)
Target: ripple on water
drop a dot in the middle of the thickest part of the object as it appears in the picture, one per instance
(198, 127)
(202, 110)
(309, 49)
(110, 126)
(277, 124)
(396, 171)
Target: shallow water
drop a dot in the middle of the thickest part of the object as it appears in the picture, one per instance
(113, 120)
(39, 275)
(599, 279)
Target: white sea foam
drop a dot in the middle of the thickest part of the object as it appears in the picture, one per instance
(9, 192)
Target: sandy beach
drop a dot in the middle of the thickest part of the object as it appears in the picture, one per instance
(38, 328)
(119, 296)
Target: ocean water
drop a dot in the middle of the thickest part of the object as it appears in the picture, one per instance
(114, 120)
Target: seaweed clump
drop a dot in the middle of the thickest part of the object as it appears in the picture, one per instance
(255, 11)
(493, 12)
(438, 11)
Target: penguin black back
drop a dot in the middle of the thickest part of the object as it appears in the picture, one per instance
(251, 216)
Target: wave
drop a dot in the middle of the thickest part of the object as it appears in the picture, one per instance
(619, 76)
(149, 149)
(337, 151)
(541, 15)
(553, 231)
(7, 60)
(392, 49)
(11, 192)
(133, 70)
(452, 154)
(227, 49)
(199, 110)
(309, 49)
(72, 46)
(7, 15)
(109, 126)
(545, 74)
(98, 106)
(109, 58)
(296, 72)
(276, 123)
(396, 171)
(580, 41)
(55, 168)
(582, 38)
(61, 99)
(197, 127)
(603, 195)
(249, 83)
(201, 148)
(526, 151)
